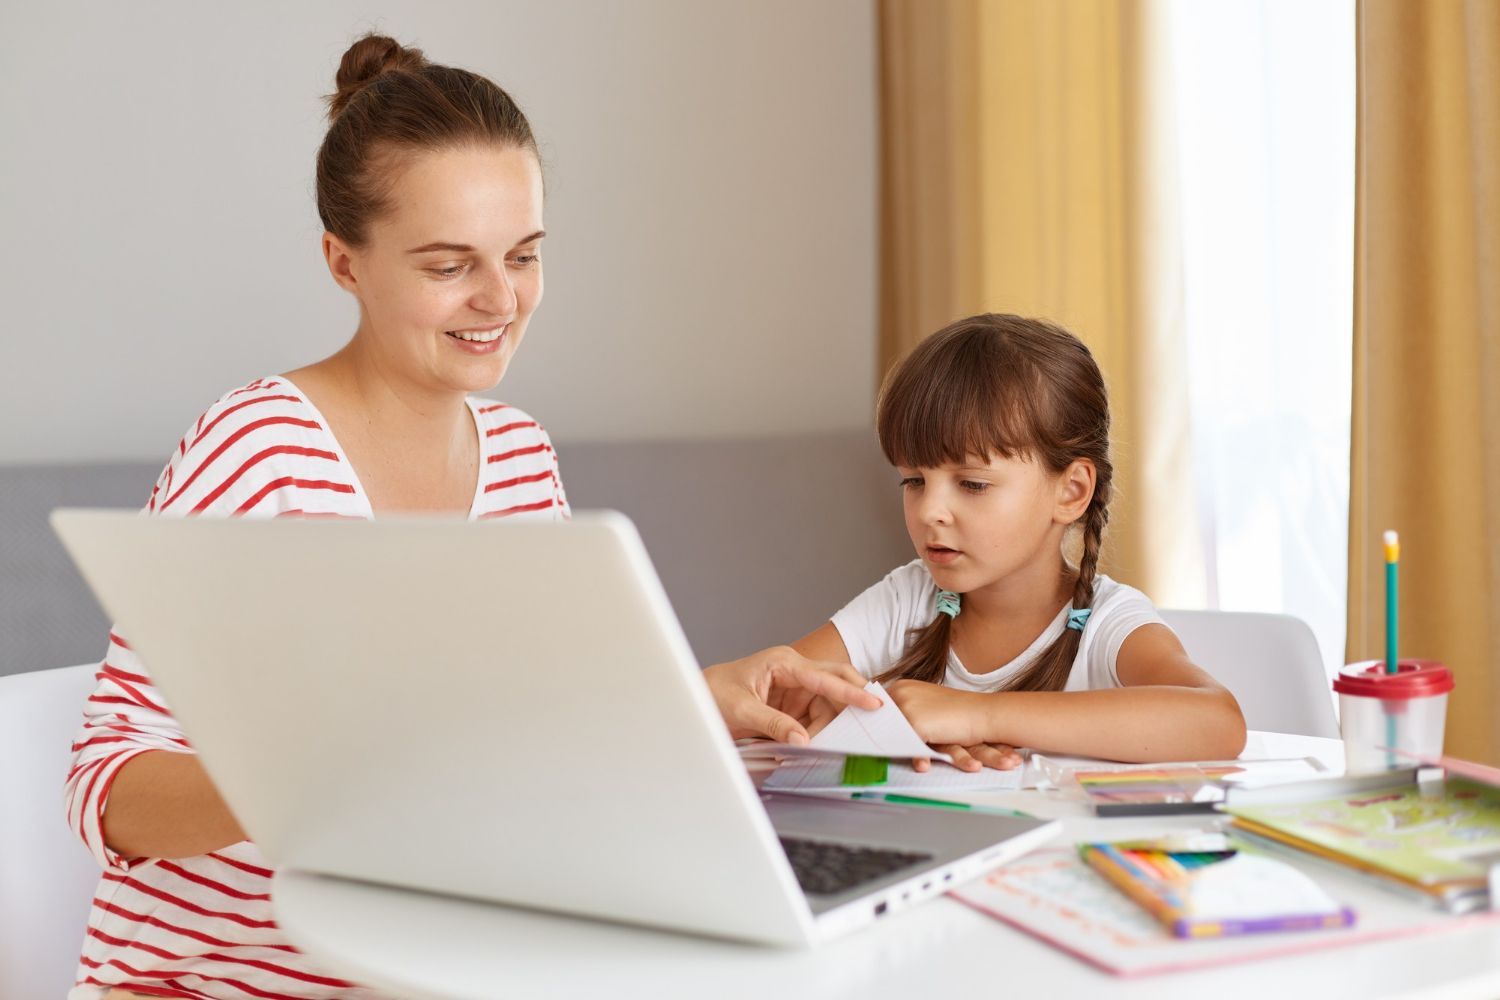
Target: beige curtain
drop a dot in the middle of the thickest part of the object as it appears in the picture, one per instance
(1026, 170)
(1426, 428)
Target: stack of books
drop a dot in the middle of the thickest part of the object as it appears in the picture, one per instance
(1436, 840)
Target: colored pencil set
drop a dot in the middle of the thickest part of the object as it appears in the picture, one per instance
(1202, 894)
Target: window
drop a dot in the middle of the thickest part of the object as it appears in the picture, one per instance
(1264, 111)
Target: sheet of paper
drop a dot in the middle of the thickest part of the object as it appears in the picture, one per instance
(858, 732)
(823, 775)
(877, 732)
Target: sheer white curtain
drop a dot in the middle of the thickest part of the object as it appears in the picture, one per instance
(1264, 109)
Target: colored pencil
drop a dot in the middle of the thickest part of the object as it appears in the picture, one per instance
(1392, 619)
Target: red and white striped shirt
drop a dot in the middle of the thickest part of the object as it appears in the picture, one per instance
(202, 927)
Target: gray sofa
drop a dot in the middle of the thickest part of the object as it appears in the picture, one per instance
(757, 541)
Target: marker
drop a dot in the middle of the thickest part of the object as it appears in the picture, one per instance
(913, 800)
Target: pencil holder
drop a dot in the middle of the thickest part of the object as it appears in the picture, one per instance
(1380, 712)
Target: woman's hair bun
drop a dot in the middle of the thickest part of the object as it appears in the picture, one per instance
(366, 59)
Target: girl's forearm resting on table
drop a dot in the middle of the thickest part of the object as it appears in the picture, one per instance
(163, 805)
(1133, 724)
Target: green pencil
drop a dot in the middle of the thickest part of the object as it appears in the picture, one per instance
(1392, 565)
(1392, 619)
(914, 800)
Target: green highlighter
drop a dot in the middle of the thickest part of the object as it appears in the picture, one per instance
(865, 770)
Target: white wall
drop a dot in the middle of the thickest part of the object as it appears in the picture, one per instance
(711, 210)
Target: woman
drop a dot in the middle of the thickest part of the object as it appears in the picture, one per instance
(430, 190)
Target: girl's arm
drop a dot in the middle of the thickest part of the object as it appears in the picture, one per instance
(1168, 710)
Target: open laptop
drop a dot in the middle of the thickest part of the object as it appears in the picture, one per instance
(502, 711)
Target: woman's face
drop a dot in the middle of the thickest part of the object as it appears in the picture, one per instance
(452, 272)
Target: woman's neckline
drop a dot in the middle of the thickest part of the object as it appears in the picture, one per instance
(359, 486)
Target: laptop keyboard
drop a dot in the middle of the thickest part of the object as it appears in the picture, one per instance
(823, 868)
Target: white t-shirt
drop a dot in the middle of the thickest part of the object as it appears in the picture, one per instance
(874, 628)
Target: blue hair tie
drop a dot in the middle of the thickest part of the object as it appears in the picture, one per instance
(1079, 618)
(947, 603)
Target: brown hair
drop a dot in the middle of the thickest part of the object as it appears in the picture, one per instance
(1007, 386)
(391, 100)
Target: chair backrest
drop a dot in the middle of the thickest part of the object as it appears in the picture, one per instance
(1270, 663)
(47, 878)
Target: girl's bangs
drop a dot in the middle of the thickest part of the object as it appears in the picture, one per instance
(951, 414)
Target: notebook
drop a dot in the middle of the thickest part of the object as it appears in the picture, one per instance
(1053, 895)
(1438, 841)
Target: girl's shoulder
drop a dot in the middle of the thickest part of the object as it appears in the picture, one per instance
(1119, 609)
(254, 450)
(911, 582)
(1111, 595)
(901, 599)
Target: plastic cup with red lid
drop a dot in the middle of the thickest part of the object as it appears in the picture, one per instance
(1381, 712)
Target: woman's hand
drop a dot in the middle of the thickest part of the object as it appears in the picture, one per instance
(778, 692)
(953, 723)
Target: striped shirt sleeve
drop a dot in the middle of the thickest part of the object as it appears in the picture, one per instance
(519, 474)
(559, 495)
(259, 451)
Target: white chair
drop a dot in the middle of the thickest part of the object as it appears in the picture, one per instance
(1270, 663)
(47, 878)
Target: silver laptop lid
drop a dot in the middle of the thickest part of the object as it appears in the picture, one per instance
(507, 711)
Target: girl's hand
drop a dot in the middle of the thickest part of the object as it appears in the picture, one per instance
(940, 714)
(973, 758)
(773, 692)
(952, 722)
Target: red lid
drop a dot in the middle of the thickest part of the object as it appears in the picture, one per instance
(1412, 679)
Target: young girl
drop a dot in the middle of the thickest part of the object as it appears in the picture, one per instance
(999, 429)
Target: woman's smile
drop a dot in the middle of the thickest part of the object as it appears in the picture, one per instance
(480, 341)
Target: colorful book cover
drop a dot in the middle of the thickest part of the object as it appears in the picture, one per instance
(1136, 790)
(1148, 789)
(1197, 894)
(1450, 837)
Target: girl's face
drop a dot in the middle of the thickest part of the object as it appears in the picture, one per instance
(450, 275)
(988, 522)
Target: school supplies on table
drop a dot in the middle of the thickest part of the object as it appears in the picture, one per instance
(825, 775)
(865, 770)
(1053, 895)
(1154, 789)
(1214, 893)
(1438, 841)
(915, 800)
(1151, 791)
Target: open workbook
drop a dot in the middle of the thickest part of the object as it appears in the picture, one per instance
(882, 732)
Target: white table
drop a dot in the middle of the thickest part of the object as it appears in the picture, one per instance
(419, 945)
